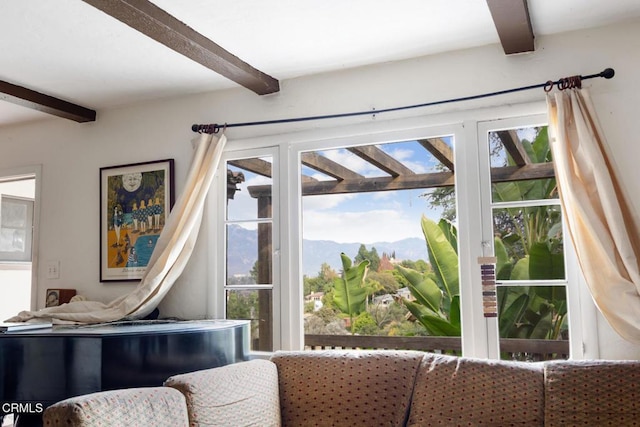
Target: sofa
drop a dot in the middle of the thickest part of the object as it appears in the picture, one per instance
(372, 388)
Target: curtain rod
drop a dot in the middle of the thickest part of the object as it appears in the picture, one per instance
(563, 83)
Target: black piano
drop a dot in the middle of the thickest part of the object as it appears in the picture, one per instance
(42, 366)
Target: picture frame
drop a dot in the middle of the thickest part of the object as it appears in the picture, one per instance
(135, 201)
(56, 297)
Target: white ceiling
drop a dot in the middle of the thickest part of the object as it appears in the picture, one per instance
(73, 51)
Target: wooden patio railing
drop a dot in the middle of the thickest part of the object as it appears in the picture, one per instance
(511, 348)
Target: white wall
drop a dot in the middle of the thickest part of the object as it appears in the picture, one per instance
(71, 154)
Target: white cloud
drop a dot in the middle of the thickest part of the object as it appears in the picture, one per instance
(352, 162)
(361, 227)
(324, 202)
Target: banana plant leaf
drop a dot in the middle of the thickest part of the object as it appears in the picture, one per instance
(442, 256)
(543, 264)
(450, 232)
(512, 309)
(433, 322)
(503, 265)
(521, 269)
(350, 295)
(423, 288)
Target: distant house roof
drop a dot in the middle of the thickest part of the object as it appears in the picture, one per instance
(314, 296)
(385, 299)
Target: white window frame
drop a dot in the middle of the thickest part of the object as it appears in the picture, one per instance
(217, 269)
(479, 333)
(572, 271)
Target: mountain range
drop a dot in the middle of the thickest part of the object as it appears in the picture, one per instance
(243, 247)
(316, 252)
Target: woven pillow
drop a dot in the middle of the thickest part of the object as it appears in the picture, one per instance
(603, 393)
(241, 394)
(148, 406)
(455, 391)
(346, 388)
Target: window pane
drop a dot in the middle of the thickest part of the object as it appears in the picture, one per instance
(13, 215)
(12, 240)
(249, 189)
(529, 243)
(370, 204)
(519, 159)
(254, 305)
(16, 217)
(536, 314)
(249, 253)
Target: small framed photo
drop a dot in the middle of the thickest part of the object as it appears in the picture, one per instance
(135, 201)
(56, 297)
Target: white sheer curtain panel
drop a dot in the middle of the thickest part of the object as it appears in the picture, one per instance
(602, 224)
(170, 256)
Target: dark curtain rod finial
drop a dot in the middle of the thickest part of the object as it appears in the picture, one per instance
(564, 83)
(608, 73)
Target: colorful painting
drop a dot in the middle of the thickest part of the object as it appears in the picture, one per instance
(135, 201)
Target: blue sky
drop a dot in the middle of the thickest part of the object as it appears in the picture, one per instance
(369, 217)
(363, 217)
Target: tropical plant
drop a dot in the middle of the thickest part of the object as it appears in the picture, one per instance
(350, 293)
(526, 228)
(529, 246)
(436, 292)
(525, 311)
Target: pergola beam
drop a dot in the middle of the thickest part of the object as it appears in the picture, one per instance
(375, 156)
(385, 183)
(149, 19)
(328, 167)
(257, 166)
(512, 21)
(440, 150)
(47, 104)
(523, 173)
(514, 147)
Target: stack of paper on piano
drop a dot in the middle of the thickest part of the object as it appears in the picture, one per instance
(23, 326)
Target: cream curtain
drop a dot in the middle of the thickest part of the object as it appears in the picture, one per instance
(603, 226)
(170, 256)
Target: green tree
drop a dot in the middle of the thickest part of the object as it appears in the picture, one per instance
(371, 256)
(386, 281)
(365, 325)
(242, 304)
(323, 282)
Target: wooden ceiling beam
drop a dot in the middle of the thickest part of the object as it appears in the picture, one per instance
(381, 160)
(149, 19)
(47, 104)
(440, 150)
(512, 21)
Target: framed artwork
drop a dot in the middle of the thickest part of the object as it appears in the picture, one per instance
(135, 201)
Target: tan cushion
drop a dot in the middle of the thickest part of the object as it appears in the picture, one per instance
(150, 406)
(346, 388)
(592, 393)
(454, 391)
(242, 394)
